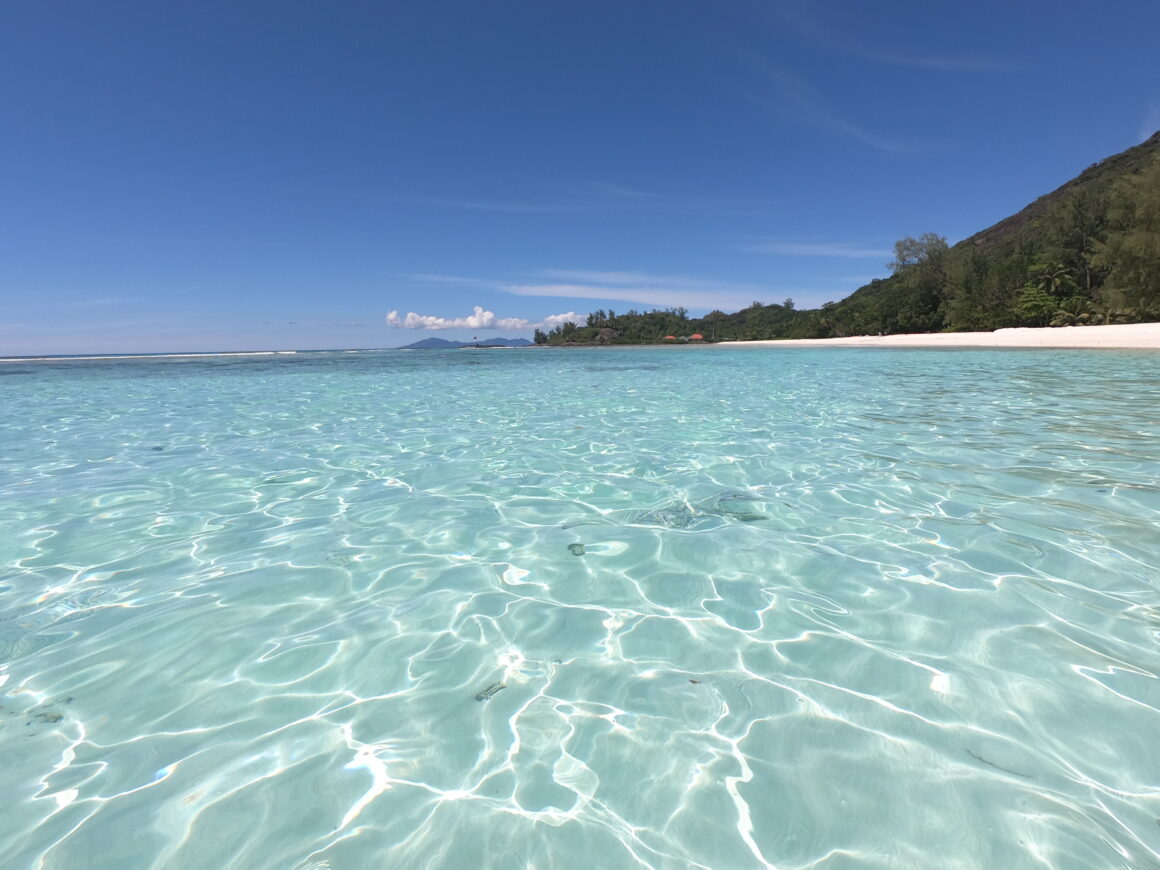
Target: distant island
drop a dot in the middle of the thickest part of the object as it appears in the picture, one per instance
(444, 344)
(1088, 253)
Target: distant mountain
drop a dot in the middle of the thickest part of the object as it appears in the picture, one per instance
(444, 344)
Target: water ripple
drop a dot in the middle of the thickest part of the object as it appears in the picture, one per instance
(788, 609)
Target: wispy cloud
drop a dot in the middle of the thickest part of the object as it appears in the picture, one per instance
(946, 63)
(615, 197)
(596, 197)
(335, 324)
(644, 287)
(810, 108)
(101, 302)
(662, 296)
(834, 33)
(605, 189)
(458, 280)
(57, 298)
(818, 249)
(494, 205)
(624, 286)
(480, 318)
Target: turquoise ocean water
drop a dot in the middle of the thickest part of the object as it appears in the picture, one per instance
(665, 608)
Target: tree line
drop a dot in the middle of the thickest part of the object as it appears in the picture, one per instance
(1089, 253)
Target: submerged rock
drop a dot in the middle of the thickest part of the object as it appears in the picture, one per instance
(686, 515)
(678, 515)
(494, 688)
(728, 506)
(576, 549)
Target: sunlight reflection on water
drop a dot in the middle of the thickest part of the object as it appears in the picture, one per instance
(746, 608)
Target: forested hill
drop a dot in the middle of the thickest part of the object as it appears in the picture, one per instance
(1088, 252)
(1101, 174)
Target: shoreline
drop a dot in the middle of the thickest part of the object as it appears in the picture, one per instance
(1125, 336)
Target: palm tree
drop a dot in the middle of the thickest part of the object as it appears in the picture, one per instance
(1054, 279)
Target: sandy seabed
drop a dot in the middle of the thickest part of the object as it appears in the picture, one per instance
(1128, 336)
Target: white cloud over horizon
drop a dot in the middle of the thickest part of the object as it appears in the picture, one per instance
(480, 318)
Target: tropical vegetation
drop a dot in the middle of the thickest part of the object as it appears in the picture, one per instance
(1087, 253)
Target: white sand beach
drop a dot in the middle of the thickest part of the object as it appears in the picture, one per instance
(1129, 336)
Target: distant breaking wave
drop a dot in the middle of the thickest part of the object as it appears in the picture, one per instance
(22, 359)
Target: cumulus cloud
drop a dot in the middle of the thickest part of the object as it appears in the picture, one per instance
(480, 318)
(554, 320)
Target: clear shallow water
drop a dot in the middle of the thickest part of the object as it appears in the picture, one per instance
(793, 608)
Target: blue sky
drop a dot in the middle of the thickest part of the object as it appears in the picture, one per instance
(217, 176)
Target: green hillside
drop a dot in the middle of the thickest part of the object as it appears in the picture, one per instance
(1086, 253)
